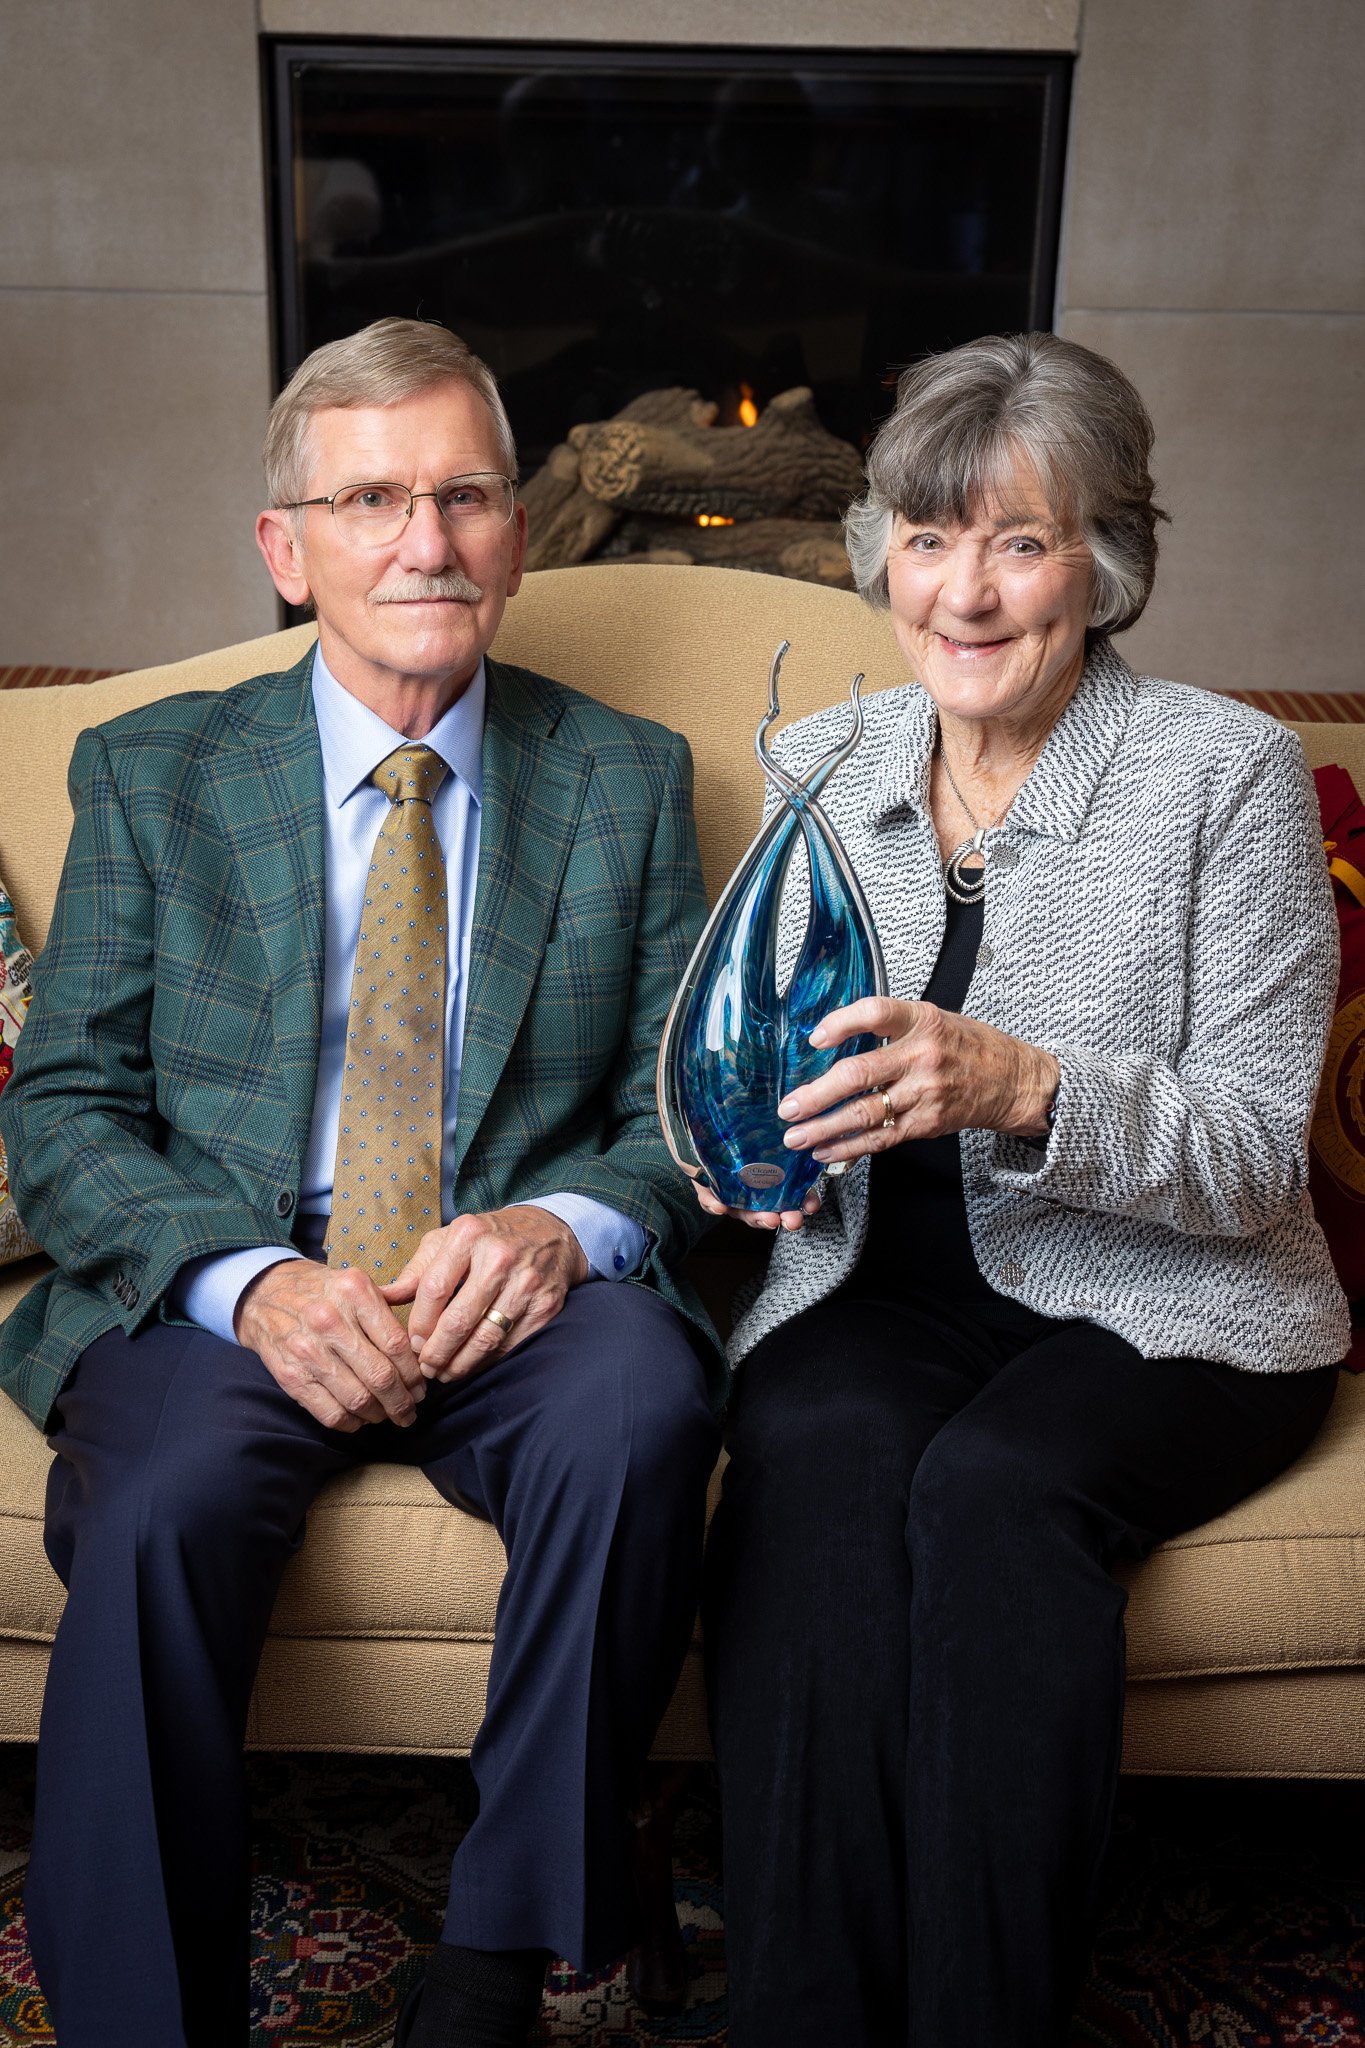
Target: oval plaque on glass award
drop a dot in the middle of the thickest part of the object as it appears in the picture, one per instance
(736, 1042)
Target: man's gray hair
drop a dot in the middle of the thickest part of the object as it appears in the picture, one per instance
(962, 420)
(382, 365)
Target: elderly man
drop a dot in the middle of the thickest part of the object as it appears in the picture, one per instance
(335, 1110)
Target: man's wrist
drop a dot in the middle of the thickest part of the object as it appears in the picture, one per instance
(579, 1263)
(208, 1290)
(245, 1299)
(612, 1244)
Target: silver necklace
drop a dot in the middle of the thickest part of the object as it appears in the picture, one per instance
(963, 884)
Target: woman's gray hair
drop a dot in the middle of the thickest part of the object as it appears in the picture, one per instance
(961, 421)
(382, 365)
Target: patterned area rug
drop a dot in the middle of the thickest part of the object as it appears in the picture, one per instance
(352, 1860)
(1234, 1917)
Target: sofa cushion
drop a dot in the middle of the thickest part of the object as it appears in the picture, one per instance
(381, 1635)
(386, 1558)
(1277, 1583)
(1274, 1585)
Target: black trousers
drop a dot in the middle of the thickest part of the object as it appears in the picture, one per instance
(179, 1493)
(916, 1653)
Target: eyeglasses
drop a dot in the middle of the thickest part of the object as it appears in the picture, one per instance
(374, 513)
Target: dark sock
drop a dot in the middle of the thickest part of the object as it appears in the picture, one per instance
(479, 1998)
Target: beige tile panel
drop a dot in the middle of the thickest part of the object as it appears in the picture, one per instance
(135, 424)
(130, 146)
(857, 24)
(1260, 460)
(1218, 156)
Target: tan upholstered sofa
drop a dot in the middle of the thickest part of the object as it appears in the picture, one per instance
(1247, 1637)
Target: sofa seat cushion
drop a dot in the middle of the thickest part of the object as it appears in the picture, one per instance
(386, 1558)
(1278, 1584)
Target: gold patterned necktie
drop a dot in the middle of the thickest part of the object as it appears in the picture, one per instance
(387, 1186)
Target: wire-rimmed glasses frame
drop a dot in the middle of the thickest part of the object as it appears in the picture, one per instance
(479, 502)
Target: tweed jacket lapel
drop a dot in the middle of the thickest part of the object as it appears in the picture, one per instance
(1054, 800)
(267, 795)
(533, 789)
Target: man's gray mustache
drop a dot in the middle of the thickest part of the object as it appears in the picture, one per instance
(413, 588)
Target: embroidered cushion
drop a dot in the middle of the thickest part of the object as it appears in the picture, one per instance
(16, 966)
(1338, 1136)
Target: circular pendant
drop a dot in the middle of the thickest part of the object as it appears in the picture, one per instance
(964, 884)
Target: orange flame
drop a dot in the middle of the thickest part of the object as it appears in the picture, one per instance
(713, 519)
(748, 411)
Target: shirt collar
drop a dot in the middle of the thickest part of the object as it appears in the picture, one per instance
(355, 739)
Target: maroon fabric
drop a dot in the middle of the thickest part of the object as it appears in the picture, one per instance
(1337, 1177)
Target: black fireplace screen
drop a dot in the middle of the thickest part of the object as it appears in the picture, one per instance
(599, 223)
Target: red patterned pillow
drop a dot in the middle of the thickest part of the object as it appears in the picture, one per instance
(1337, 1175)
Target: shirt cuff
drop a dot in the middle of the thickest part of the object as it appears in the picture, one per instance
(208, 1290)
(612, 1244)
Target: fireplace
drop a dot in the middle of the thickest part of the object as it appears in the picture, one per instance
(602, 225)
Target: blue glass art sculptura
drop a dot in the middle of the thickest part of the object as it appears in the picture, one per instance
(736, 1042)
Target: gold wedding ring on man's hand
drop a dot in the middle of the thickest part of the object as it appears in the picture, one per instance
(888, 1113)
(499, 1321)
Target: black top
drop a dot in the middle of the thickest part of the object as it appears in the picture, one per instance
(918, 1242)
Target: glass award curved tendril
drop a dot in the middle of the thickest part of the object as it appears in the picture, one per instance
(735, 1042)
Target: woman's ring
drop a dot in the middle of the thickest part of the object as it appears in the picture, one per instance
(888, 1113)
(498, 1320)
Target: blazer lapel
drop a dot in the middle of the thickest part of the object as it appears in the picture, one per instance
(533, 789)
(1058, 794)
(267, 795)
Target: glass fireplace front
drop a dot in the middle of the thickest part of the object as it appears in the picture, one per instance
(598, 223)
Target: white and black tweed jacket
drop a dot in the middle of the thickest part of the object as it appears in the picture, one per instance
(1158, 915)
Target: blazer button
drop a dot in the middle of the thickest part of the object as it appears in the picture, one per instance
(985, 954)
(1005, 857)
(1011, 1274)
(284, 1202)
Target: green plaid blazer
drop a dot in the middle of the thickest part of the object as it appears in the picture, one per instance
(162, 1092)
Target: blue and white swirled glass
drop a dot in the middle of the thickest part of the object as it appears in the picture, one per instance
(736, 1042)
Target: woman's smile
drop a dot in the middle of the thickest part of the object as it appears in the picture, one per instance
(971, 650)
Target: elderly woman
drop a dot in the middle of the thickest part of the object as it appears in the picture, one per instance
(1069, 1296)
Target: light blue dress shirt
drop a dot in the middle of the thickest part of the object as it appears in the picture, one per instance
(354, 741)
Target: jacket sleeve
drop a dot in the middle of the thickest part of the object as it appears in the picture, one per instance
(634, 1172)
(79, 1114)
(1215, 1143)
